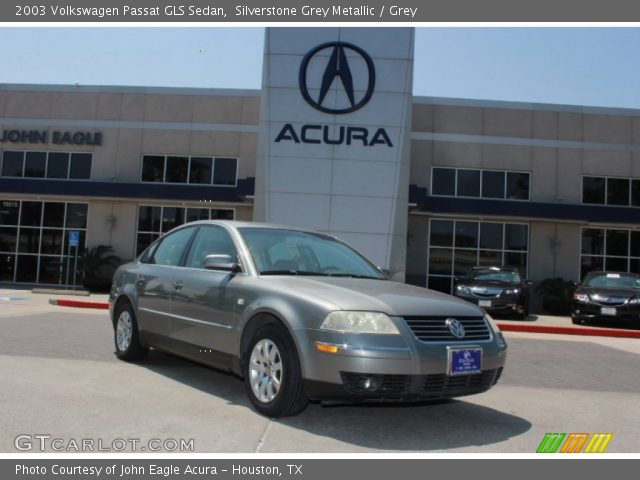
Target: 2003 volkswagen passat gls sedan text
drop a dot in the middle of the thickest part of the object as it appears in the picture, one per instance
(300, 316)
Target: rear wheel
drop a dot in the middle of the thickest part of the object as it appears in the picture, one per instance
(576, 321)
(126, 336)
(272, 374)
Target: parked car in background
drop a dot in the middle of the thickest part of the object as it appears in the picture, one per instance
(607, 296)
(300, 316)
(497, 289)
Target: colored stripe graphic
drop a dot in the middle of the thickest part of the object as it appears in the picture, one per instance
(574, 443)
(598, 443)
(550, 442)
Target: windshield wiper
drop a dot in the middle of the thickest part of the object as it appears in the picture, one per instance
(352, 275)
(292, 272)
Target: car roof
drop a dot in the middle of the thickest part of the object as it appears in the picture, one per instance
(495, 267)
(249, 224)
(605, 272)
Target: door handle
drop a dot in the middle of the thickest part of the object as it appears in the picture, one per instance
(177, 285)
(140, 280)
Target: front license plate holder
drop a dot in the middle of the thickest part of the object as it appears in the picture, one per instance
(464, 360)
(484, 303)
(608, 311)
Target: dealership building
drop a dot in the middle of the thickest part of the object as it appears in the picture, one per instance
(334, 141)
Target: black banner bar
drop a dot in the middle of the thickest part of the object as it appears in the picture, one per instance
(261, 11)
(316, 469)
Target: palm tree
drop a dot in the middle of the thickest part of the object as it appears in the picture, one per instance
(96, 266)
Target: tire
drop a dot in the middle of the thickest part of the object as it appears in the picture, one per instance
(126, 336)
(575, 321)
(272, 374)
(523, 315)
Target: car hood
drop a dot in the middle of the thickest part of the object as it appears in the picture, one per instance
(392, 298)
(614, 292)
(487, 283)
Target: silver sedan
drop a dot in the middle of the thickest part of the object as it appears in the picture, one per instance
(300, 316)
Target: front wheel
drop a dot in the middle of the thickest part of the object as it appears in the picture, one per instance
(272, 374)
(126, 336)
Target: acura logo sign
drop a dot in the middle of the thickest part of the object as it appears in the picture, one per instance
(455, 327)
(337, 69)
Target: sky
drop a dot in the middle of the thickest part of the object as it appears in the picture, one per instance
(577, 66)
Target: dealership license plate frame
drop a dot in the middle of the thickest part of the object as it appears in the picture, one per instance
(609, 311)
(484, 303)
(452, 353)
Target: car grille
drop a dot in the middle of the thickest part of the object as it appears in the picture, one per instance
(423, 386)
(482, 292)
(434, 329)
(442, 386)
(608, 300)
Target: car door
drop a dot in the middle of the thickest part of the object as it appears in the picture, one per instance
(154, 285)
(204, 301)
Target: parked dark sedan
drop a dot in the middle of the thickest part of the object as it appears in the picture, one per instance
(499, 290)
(301, 316)
(607, 296)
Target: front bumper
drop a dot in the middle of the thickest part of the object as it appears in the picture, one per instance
(590, 311)
(506, 304)
(400, 367)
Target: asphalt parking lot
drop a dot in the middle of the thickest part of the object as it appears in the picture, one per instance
(59, 377)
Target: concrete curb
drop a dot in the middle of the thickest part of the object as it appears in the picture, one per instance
(65, 302)
(54, 291)
(585, 331)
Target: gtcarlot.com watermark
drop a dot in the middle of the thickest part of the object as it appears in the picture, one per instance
(45, 442)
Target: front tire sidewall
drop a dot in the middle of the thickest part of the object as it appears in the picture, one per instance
(290, 399)
(135, 351)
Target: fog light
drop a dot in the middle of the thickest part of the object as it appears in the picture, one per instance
(371, 384)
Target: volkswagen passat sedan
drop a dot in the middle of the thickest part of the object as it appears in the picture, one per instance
(499, 290)
(300, 316)
(607, 296)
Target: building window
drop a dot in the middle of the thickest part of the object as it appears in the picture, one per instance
(220, 171)
(154, 221)
(455, 246)
(55, 165)
(474, 183)
(611, 249)
(623, 192)
(34, 240)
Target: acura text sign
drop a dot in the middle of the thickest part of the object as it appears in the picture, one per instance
(354, 92)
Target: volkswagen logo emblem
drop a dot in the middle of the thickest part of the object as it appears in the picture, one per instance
(337, 72)
(455, 327)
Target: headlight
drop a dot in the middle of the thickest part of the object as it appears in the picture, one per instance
(634, 300)
(513, 291)
(502, 343)
(581, 297)
(462, 289)
(359, 322)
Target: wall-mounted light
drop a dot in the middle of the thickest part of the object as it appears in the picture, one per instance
(111, 222)
(555, 244)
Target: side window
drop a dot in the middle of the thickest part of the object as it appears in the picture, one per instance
(171, 248)
(210, 241)
(148, 253)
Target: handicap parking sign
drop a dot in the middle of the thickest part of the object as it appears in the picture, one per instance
(74, 238)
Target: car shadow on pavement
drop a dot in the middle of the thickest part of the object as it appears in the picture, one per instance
(393, 427)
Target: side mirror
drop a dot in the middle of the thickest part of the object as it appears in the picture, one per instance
(221, 262)
(385, 271)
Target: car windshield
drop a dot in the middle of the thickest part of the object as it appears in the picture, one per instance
(493, 275)
(291, 252)
(612, 280)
